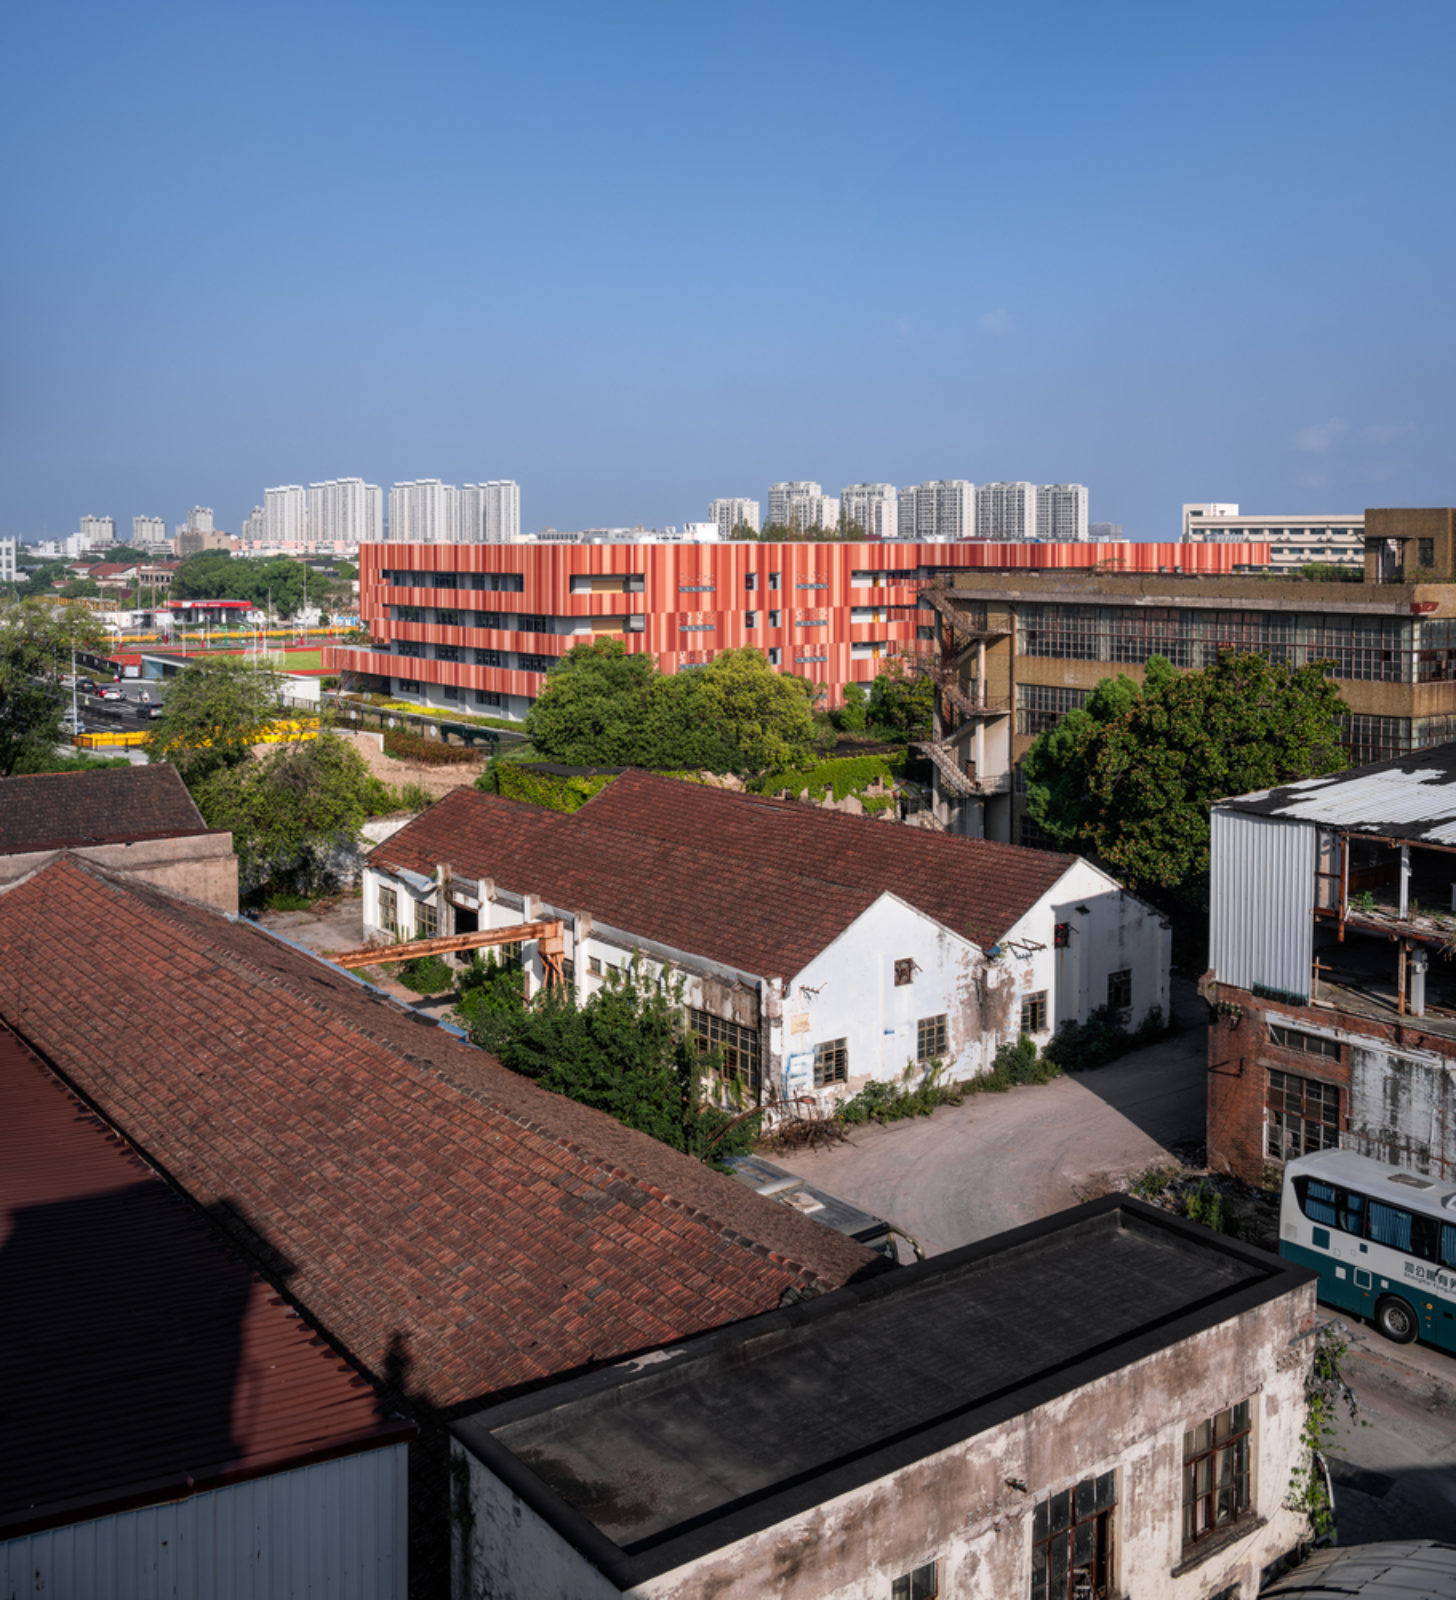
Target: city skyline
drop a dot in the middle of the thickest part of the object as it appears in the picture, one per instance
(1243, 299)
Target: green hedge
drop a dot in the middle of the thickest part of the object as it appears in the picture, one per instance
(431, 752)
(841, 777)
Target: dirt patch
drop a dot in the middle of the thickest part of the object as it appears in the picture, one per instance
(435, 780)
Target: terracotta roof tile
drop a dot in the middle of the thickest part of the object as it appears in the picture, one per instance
(359, 1155)
(52, 809)
(141, 1359)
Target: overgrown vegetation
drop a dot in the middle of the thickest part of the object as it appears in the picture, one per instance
(1103, 1037)
(555, 791)
(1326, 1395)
(36, 642)
(624, 1050)
(840, 777)
(889, 1102)
(404, 746)
(426, 975)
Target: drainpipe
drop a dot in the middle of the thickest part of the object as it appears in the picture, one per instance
(1404, 880)
(1419, 960)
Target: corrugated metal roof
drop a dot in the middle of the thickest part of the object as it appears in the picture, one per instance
(1407, 1569)
(1410, 797)
(141, 1360)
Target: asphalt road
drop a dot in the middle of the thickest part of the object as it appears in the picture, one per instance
(999, 1160)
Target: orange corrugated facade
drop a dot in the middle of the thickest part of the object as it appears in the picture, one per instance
(831, 611)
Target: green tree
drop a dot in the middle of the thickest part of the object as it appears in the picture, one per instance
(592, 707)
(1182, 741)
(624, 1051)
(295, 813)
(37, 639)
(765, 718)
(1057, 768)
(902, 700)
(214, 714)
(853, 714)
(79, 589)
(215, 575)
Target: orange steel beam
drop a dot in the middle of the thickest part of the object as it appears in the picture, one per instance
(550, 934)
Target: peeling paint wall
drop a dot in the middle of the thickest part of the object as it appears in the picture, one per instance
(1403, 1107)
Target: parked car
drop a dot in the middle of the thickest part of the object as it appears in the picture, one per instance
(150, 712)
(109, 691)
(72, 725)
(86, 685)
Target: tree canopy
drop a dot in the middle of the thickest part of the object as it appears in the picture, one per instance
(215, 575)
(791, 533)
(602, 706)
(624, 1050)
(214, 714)
(36, 642)
(1130, 777)
(293, 813)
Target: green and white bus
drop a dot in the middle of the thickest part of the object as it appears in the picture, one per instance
(1383, 1242)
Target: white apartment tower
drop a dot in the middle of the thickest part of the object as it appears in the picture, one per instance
(148, 533)
(1061, 512)
(345, 511)
(1006, 511)
(96, 532)
(255, 527)
(873, 507)
(7, 560)
(802, 505)
(285, 515)
(731, 514)
(490, 513)
(424, 512)
(942, 509)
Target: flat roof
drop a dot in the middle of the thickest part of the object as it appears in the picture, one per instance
(1408, 797)
(644, 1466)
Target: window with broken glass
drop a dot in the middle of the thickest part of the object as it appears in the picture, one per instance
(427, 920)
(831, 1063)
(1301, 1115)
(1071, 1541)
(736, 1047)
(1216, 1477)
(389, 911)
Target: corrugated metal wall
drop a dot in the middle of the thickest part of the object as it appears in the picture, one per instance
(335, 1529)
(1262, 908)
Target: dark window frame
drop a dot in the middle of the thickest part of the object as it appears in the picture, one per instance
(831, 1063)
(1218, 1473)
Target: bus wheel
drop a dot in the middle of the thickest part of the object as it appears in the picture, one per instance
(1396, 1320)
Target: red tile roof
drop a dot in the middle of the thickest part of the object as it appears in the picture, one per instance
(974, 886)
(54, 809)
(762, 920)
(421, 1202)
(141, 1360)
(763, 885)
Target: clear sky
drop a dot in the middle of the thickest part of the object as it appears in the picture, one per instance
(638, 255)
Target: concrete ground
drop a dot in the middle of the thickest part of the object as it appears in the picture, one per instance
(999, 1160)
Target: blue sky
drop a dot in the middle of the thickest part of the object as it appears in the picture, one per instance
(636, 256)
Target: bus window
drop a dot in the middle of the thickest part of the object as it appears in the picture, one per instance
(1390, 1226)
(1448, 1244)
(1317, 1200)
(1352, 1212)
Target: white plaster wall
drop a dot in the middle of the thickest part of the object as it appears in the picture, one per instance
(959, 1508)
(508, 1553)
(1117, 931)
(848, 992)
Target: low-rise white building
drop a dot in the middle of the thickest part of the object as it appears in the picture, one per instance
(1104, 1403)
(1326, 538)
(817, 952)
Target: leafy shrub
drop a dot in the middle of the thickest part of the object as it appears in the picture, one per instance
(881, 1101)
(426, 975)
(1152, 1181)
(430, 752)
(283, 901)
(846, 775)
(556, 791)
(1205, 1204)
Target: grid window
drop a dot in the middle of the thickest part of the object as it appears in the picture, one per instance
(1040, 706)
(1302, 1115)
(1216, 1477)
(930, 1039)
(451, 691)
(1034, 1012)
(1313, 1044)
(535, 663)
(487, 619)
(389, 911)
(1119, 989)
(737, 1047)
(831, 1063)
(528, 622)
(487, 658)
(921, 1584)
(594, 966)
(447, 618)
(427, 920)
(487, 697)
(1071, 1541)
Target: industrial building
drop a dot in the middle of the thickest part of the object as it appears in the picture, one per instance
(1333, 914)
(1017, 651)
(477, 627)
(817, 952)
(1107, 1402)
